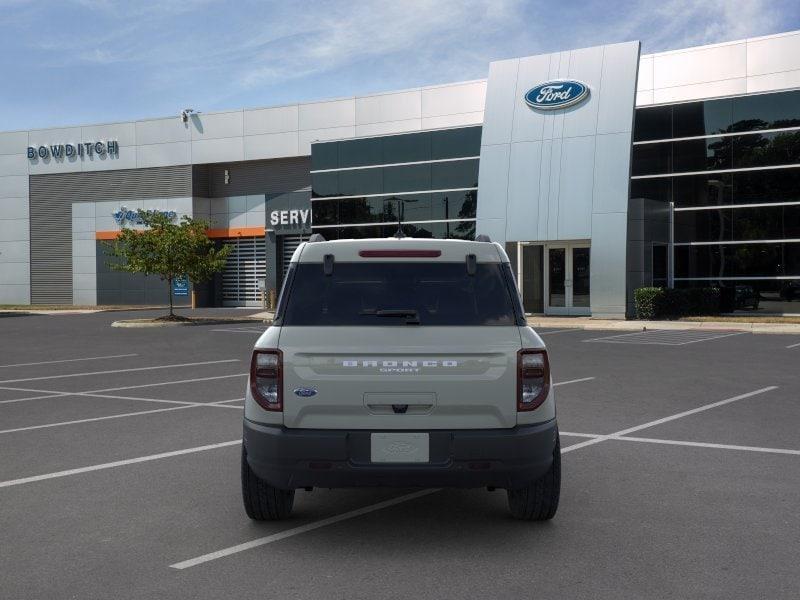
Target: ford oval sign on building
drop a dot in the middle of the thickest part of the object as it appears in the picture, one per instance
(556, 94)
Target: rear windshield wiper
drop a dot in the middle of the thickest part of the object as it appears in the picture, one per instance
(412, 316)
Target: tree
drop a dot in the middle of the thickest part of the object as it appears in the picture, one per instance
(168, 249)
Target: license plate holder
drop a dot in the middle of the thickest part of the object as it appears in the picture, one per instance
(400, 447)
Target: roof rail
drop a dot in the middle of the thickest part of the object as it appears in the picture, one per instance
(316, 237)
(482, 238)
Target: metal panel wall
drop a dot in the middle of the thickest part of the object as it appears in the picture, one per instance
(258, 177)
(51, 198)
(563, 174)
(51, 246)
(749, 66)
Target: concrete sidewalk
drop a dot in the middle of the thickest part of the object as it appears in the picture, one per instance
(620, 325)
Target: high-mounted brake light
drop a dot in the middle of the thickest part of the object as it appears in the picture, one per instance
(533, 379)
(266, 379)
(399, 253)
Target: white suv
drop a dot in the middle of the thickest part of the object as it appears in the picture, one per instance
(400, 362)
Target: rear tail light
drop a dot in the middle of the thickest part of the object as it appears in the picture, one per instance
(533, 379)
(266, 379)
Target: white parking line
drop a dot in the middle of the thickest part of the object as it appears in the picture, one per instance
(717, 337)
(56, 394)
(224, 402)
(94, 394)
(88, 393)
(301, 529)
(49, 395)
(92, 420)
(194, 380)
(708, 445)
(195, 364)
(686, 413)
(681, 443)
(118, 463)
(583, 435)
(219, 404)
(666, 337)
(66, 360)
(792, 346)
(573, 381)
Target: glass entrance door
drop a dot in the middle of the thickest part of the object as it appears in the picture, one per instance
(580, 279)
(567, 282)
(557, 277)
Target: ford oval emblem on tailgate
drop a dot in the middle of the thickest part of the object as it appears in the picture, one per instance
(305, 392)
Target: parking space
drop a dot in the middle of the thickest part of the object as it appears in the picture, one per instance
(772, 421)
(665, 337)
(119, 477)
(55, 409)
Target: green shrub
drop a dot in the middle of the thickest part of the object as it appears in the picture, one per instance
(648, 301)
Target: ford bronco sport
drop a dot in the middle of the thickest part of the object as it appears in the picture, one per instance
(400, 362)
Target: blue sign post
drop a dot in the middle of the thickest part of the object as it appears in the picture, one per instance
(180, 286)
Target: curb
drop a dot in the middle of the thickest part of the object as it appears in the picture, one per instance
(775, 328)
(134, 324)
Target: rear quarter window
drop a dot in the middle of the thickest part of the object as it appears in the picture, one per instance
(395, 293)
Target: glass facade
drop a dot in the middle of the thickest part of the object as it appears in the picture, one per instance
(430, 178)
(731, 168)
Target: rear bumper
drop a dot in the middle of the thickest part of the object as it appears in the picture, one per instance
(296, 458)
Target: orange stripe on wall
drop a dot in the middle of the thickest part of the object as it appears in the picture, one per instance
(212, 233)
(235, 232)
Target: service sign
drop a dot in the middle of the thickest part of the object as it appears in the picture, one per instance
(294, 217)
(553, 95)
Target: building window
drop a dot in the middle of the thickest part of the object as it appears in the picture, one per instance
(428, 179)
(731, 168)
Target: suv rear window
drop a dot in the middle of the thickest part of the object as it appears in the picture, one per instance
(394, 293)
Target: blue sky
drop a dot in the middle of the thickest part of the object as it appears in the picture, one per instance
(90, 61)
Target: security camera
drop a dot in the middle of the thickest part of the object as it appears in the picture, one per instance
(185, 114)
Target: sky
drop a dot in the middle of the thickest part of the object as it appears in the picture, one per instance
(73, 62)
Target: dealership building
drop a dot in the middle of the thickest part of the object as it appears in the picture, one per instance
(601, 170)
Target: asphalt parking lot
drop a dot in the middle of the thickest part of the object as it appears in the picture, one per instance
(119, 478)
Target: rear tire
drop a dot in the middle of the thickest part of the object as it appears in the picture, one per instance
(539, 500)
(263, 502)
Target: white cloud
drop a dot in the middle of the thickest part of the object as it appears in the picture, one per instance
(416, 31)
(675, 24)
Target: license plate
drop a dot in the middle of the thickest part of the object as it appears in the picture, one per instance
(400, 447)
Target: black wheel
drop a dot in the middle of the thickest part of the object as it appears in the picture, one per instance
(263, 502)
(539, 501)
